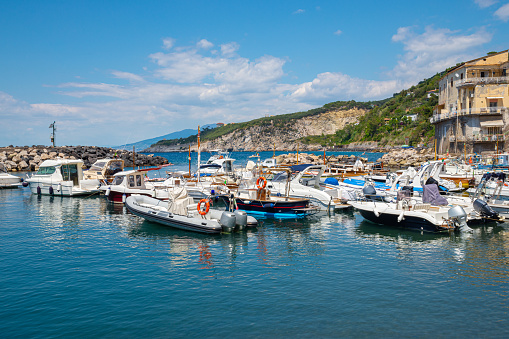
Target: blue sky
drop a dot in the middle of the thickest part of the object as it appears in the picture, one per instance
(115, 72)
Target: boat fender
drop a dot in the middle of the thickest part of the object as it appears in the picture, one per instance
(207, 206)
(59, 187)
(269, 205)
(123, 198)
(227, 221)
(51, 192)
(39, 190)
(401, 216)
(241, 219)
(25, 184)
(107, 193)
(377, 214)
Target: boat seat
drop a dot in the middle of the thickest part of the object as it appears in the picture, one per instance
(424, 207)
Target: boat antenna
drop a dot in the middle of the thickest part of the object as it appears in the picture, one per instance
(54, 128)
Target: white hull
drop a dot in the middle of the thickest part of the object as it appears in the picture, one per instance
(64, 188)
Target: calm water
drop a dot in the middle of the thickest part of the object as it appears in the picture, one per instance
(81, 267)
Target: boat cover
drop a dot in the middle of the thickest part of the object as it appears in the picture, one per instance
(432, 196)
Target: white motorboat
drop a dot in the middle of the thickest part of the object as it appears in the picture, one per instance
(429, 214)
(130, 182)
(179, 211)
(8, 180)
(62, 177)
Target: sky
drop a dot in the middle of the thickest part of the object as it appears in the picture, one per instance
(116, 72)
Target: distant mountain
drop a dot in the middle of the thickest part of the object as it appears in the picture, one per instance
(141, 145)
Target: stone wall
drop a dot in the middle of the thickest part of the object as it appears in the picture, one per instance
(29, 158)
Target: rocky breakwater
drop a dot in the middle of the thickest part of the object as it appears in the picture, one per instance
(305, 158)
(402, 158)
(29, 158)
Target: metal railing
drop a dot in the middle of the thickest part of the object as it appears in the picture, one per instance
(465, 112)
(485, 80)
(477, 137)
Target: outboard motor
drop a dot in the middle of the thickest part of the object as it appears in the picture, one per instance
(228, 221)
(241, 219)
(485, 210)
(458, 214)
(369, 191)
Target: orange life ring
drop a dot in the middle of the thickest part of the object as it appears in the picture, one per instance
(207, 206)
(220, 157)
(263, 184)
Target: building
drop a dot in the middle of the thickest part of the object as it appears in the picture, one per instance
(473, 101)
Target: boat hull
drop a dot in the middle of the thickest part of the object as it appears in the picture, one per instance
(64, 188)
(409, 222)
(281, 209)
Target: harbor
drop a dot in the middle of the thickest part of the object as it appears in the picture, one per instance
(326, 275)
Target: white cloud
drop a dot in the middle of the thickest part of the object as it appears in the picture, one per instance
(299, 11)
(485, 3)
(229, 49)
(127, 76)
(168, 43)
(205, 44)
(434, 50)
(503, 13)
(338, 32)
(337, 86)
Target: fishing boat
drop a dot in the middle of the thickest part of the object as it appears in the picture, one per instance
(62, 177)
(180, 211)
(307, 184)
(258, 200)
(8, 180)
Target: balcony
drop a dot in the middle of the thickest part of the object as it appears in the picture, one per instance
(482, 81)
(477, 138)
(471, 111)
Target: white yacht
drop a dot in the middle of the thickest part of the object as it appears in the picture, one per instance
(62, 177)
(8, 180)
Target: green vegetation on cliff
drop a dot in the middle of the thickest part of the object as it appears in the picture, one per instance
(387, 121)
(390, 123)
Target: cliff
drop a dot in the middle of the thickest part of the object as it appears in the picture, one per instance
(281, 135)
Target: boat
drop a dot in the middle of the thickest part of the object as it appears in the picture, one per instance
(258, 200)
(425, 216)
(62, 177)
(104, 170)
(130, 182)
(8, 180)
(180, 211)
(307, 184)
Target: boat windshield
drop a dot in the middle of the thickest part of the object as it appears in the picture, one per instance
(46, 170)
(118, 180)
(98, 166)
(281, 176)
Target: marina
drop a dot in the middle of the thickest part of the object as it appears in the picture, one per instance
(325, 275)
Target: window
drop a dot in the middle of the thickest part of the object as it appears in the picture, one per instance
(46, 170)
(118, 180)
(483, 74)
(504, 72)
(138, 180)
(131, 180)
(452, 82)
(461, 76)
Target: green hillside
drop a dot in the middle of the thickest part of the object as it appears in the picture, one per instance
(373, 126)
(386, 121)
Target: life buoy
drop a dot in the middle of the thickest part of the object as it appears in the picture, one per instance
(220, 157)
(470, 160)
(207, 206)
(263, 184)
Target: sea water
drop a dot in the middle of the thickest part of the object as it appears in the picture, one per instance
(82, 267)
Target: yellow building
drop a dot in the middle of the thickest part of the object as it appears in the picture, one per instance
(473, 101)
